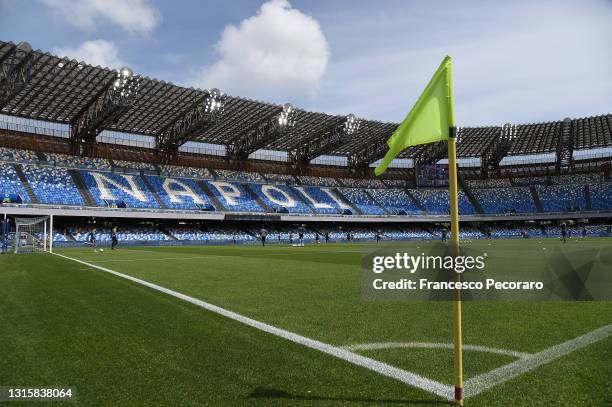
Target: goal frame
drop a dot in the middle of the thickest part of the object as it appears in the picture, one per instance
(33, 235)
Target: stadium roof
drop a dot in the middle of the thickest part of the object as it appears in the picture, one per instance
(60, 89)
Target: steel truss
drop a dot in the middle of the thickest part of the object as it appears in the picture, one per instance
(115, 100)
(15, 68)
(193, 122)
(262, 132)
(327, 140)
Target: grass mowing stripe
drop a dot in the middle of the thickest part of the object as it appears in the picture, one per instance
(401, 375)
(502, 374)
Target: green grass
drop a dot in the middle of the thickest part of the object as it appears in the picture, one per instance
(121, 343)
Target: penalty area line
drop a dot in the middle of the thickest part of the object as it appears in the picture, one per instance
(404, 376)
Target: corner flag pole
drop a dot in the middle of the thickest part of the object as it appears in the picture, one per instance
(454, 215)
(428, 122)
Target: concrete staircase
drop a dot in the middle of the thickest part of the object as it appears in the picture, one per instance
(428, 230)
(155, 194)
(41, 156)
(377, 202)
(26, 183)
(213, 198)
(470, 195)
(345, 201)
(415, 201)
(213, 173)
(78, 181)
(256, 198)
(587, 197)
(167, 233)
(536, 199)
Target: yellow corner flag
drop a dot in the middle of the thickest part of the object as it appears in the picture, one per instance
(430, 118)
(433, 119)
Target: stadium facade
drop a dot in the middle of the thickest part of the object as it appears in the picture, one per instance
(181, 165)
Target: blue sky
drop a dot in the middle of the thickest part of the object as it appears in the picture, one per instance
(518, 62)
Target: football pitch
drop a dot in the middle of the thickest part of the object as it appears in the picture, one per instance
(278, 325)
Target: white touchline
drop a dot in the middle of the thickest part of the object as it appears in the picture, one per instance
(485, 381)
(384, 369)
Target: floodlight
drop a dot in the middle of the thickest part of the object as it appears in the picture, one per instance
(126, 72)
(351, 124)
(126, 83)
(215, 101)
(287, 116)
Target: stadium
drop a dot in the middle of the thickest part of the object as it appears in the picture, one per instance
(167, 245)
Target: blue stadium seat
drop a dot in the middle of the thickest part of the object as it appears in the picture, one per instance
(395, 201)
(601, 196)
(131, 234)
(53, 185)
(436, 201)
(10, 183)
(17, 156)
(233, 196)
(362, 200)
(323, 203)
(561, 198)
(213, 235)
(118, 187)
(188, 194)
(280, 196)
(505, 200)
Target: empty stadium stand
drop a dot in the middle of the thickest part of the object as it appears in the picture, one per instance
(62, 184)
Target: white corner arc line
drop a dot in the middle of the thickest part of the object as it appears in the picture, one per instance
(485, 381)
(434, 345)
(405, 376)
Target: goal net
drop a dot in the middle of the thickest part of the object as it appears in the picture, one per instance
(32, 235)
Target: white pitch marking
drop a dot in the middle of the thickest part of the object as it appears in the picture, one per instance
(472, 386)
(405, 376)
(485, 381)
(433, 345)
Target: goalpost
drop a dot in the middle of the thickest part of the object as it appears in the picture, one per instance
(33, 235)
(5, 234)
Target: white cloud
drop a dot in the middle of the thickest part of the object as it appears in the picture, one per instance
(134, 16)
(279, 54)
(97, 52)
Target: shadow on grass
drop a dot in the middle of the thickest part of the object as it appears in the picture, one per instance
(266, 393)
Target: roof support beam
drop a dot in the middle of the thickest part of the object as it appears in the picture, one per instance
(261, 133)
(497, 149)
(116, 99)
(325, 141)
(194, 122)
(431, 153)
(15, 69)
(565, 147)
(369, 153)
(373, 147)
